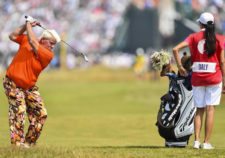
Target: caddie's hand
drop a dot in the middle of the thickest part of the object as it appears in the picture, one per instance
(182, 71)
(223, 90)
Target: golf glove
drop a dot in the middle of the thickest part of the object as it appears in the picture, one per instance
(29, 19)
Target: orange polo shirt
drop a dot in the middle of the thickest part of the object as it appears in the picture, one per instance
(26, 66)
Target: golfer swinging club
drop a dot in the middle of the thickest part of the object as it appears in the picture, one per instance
(19, 83)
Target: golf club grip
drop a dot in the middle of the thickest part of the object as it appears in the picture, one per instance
(37, 24)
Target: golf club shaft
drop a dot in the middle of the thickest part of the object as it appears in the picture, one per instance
(74, 50)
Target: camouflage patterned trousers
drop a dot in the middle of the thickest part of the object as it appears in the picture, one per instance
(22, 102)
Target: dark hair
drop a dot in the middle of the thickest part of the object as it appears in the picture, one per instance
(210, 38)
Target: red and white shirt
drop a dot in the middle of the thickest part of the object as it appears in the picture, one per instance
(205, 70)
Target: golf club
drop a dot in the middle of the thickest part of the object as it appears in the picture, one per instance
(75, 50)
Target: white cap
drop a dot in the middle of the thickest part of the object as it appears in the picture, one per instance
(51, 34)
(205, 17)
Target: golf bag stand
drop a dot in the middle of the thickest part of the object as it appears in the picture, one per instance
(176, 114)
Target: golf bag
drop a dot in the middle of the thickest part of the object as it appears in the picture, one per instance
(176, 113)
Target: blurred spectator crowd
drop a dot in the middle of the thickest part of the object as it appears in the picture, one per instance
(191, 9)
(90, 25)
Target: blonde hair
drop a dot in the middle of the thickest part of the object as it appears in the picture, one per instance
(50, 34)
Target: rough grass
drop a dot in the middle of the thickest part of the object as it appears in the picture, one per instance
(100, 112)
(110, 152)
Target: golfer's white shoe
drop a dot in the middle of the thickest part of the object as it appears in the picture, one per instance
(196, 145)
(207, 146)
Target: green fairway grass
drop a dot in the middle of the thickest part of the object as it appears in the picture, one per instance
(100, 112)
